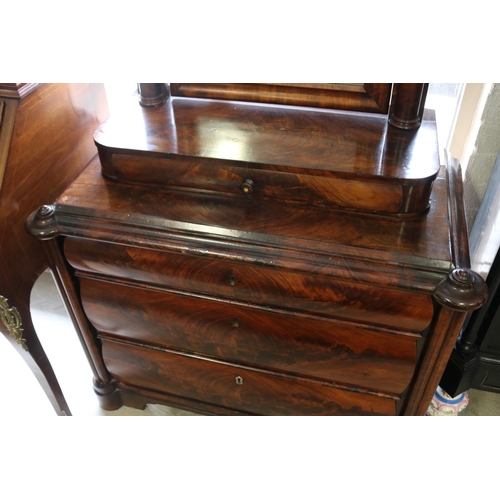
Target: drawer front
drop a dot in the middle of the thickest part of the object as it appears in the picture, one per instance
(234, 387)
(325, 350)
(288, 187)
(392, 308)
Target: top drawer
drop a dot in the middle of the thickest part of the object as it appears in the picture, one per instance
(284, 186)
(281, 289)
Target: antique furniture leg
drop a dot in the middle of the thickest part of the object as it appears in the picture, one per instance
(18, 328)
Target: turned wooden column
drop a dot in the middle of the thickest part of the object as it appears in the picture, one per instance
(407, 105)
(462, 291)
(153, 94)
(42, 225)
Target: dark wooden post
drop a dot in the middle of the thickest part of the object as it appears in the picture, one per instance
(461, 292)
(153, 94)
(43, 226)
(407, 105)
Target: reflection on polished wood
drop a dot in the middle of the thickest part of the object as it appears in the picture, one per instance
(129, 284)
(308, 156)
(367, 97)
(234, 258)
(62, 346)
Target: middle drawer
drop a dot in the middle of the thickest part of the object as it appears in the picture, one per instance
(327, 350)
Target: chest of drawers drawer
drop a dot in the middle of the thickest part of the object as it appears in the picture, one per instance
(234, 387)
(313, 293)
(287, 187)
(331, 351)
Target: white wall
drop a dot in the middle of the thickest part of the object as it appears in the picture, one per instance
(480, 154)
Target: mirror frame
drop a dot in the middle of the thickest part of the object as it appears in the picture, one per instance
(367, 97)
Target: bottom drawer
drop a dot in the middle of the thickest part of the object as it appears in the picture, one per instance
(234, 387)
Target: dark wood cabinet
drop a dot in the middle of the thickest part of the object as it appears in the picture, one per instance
(45, 142)
(262, 258)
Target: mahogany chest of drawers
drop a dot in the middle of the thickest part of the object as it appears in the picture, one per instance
(211, 261)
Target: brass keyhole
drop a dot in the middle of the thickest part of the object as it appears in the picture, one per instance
(232, 281)
(239, 380)
(235, 323)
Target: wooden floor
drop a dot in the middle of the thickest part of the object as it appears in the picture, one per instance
(63, 349)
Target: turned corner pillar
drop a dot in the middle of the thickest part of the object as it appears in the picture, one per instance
(461, 292)
(407, 105)
(42, 224)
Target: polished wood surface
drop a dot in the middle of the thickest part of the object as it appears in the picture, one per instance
(282, 139)
(408, 105)
(264, 393)
(48, 144)
(367, 97)
(17, 90)
(352, 355)
(152, 212)
(295, 155)
(288, 187)
(310, 293)
(237, 302)
(168, 254)
(8, 109)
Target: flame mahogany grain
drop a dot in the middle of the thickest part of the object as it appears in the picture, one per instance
(234, 258)
(294, 155)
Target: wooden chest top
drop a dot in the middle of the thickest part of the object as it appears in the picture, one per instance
(260, 232)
